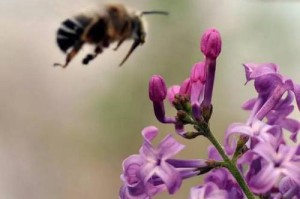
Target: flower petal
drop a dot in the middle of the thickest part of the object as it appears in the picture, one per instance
(256, 70)
(235, 129)
(297, 94)
(213, 153)
(248, 105)
(147, 171)
(266, 151)
(149, 133)
(263, 180)
(185, 87)
(170, 176)
(208, 191)
(172, 91)
(169, 147)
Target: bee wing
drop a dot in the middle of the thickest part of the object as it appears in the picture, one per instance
(133, 47)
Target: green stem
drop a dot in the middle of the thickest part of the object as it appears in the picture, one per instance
(230, 165)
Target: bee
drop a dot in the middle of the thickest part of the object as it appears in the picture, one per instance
(115, 23)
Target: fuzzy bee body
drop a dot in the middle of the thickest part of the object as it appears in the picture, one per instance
(114, 24)
(71, 31)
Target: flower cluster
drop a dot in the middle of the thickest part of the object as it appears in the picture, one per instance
(271, 162)
(256, 159)
(193, 97)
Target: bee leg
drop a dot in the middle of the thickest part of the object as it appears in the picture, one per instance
(119, 43)
(105, 42)
(71, 55)
(90, 57)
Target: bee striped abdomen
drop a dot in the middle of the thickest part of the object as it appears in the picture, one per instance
(70, 31)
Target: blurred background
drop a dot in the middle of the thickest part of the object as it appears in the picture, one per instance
(65, 132)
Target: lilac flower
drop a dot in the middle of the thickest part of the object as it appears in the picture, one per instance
(133, 186)
(289, 188)
(279, 115)
(222, 178)
(208, 191)
(213, 153)
(271, 165)
(258, 132)
(269, 104)
(157, 94)
(155, 159)
(270, 86)
(254, 71)
(224, 181)
(153, 170)
(197, 79)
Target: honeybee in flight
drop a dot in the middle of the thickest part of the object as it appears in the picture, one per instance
(114, 24)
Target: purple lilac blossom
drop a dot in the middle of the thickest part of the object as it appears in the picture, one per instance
(222, 178)
(269, 104)
(133, 186)
(274, 164)
(197, 77)
(224, 181)
(155, 163)
(153, 170)
(271, 160)
(279, 115)
(258, 131)
(289, 188)
(270, 86)
(208, 191)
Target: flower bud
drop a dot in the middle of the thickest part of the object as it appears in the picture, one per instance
(172, 91)
(198, 72)
(185, 87)
(157, 88)
(211, 43)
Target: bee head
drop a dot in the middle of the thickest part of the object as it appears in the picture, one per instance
(138, 31)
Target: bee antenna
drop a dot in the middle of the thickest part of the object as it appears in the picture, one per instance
(154, 12)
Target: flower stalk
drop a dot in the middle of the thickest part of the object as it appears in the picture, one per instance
(230, 165)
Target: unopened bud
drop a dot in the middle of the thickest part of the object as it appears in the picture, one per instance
(211, 43)
(172, 92)
(185, 87)
(198, 72)
(157, 88)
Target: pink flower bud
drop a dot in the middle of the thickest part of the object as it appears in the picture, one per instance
(185, 87)
(198, 72)
(157, 88)
(172, 91)
(211, 43)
